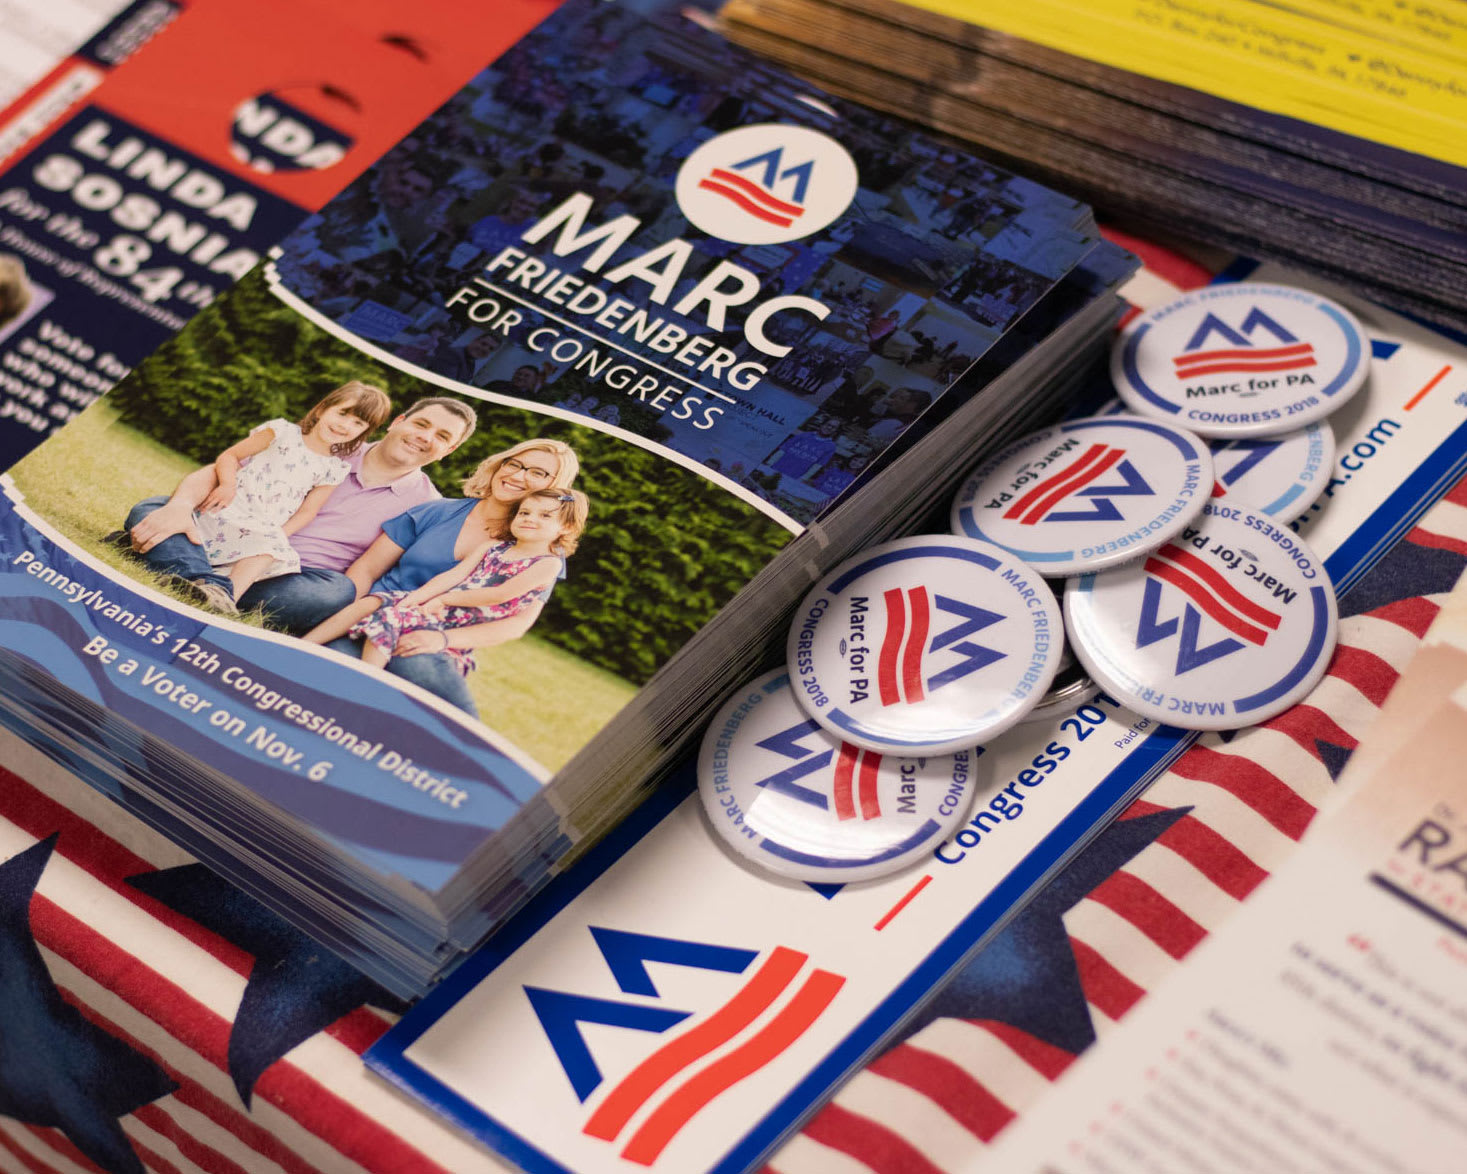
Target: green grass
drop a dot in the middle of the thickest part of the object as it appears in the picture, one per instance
(544, 698)
(87, 476)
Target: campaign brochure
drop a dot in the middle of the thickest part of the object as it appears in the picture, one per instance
(670, 1008)
(154, 167)
(1339, 1044)
(624, 344)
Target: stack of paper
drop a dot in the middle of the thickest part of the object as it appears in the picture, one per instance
(1326, 136)
(626, 261)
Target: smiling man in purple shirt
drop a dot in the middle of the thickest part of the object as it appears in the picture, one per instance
(386, 479)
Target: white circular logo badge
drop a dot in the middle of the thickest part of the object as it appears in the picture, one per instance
(925, 645)
(1241, 360)
(1230, 623)
(766, 184)
(784, 794)
(1086, 494)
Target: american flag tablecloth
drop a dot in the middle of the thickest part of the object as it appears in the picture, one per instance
(154, 1018)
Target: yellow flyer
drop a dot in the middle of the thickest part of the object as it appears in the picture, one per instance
(1391, 75)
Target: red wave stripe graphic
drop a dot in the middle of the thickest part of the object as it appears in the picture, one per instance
(755, 192)
(1293, 350)
(1087, 458)
(686, 1101)
(745, 203)
(1063, 491)
(891, 646)
(1224, 590)
(870, 800)
(1203, 599)
(1244, 358)
(648, 1077)
(845, 769)
(916, 644)
(1237, 366)
(1199, 595)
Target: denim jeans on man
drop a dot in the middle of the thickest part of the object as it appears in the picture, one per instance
(297, 603)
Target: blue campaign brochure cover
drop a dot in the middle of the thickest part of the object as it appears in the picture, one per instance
(392, 531)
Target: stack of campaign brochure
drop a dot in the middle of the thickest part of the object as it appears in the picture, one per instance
(1330, 137)
(397, 578)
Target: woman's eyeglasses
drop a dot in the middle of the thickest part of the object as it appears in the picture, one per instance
(533, 475)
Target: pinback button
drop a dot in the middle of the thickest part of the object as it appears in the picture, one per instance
(1241, 360)
(1228, 625)
(925, 645)
(785, 795)
(1086, 494)
(1072, 687)
(1278, 476)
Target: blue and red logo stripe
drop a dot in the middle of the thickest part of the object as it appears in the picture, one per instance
(667, 1063)
(751, 197)
(1213, 594)
(899, 667)
(1244, 360)
(849, 784)
(1043, 497)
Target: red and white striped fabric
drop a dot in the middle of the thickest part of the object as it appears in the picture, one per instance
(170, 989)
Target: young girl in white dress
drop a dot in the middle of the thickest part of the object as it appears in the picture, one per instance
(276, 479)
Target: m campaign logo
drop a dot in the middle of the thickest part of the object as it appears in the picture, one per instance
(1251, 454)
(1208, 593)
(690, 1056)
(904, 647)
(854, 785)
(766, 184)
(1077, 480)
(1241, 353)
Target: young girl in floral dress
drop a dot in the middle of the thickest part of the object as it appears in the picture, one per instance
(495, 581)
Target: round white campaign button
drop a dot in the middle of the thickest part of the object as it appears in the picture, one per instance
(1241, 360)
(1279, 476)
(924, 645)
(784, 794)
(1229, 624)
(1086, 494)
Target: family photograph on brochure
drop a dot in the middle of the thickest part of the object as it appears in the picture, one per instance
(494, 556)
